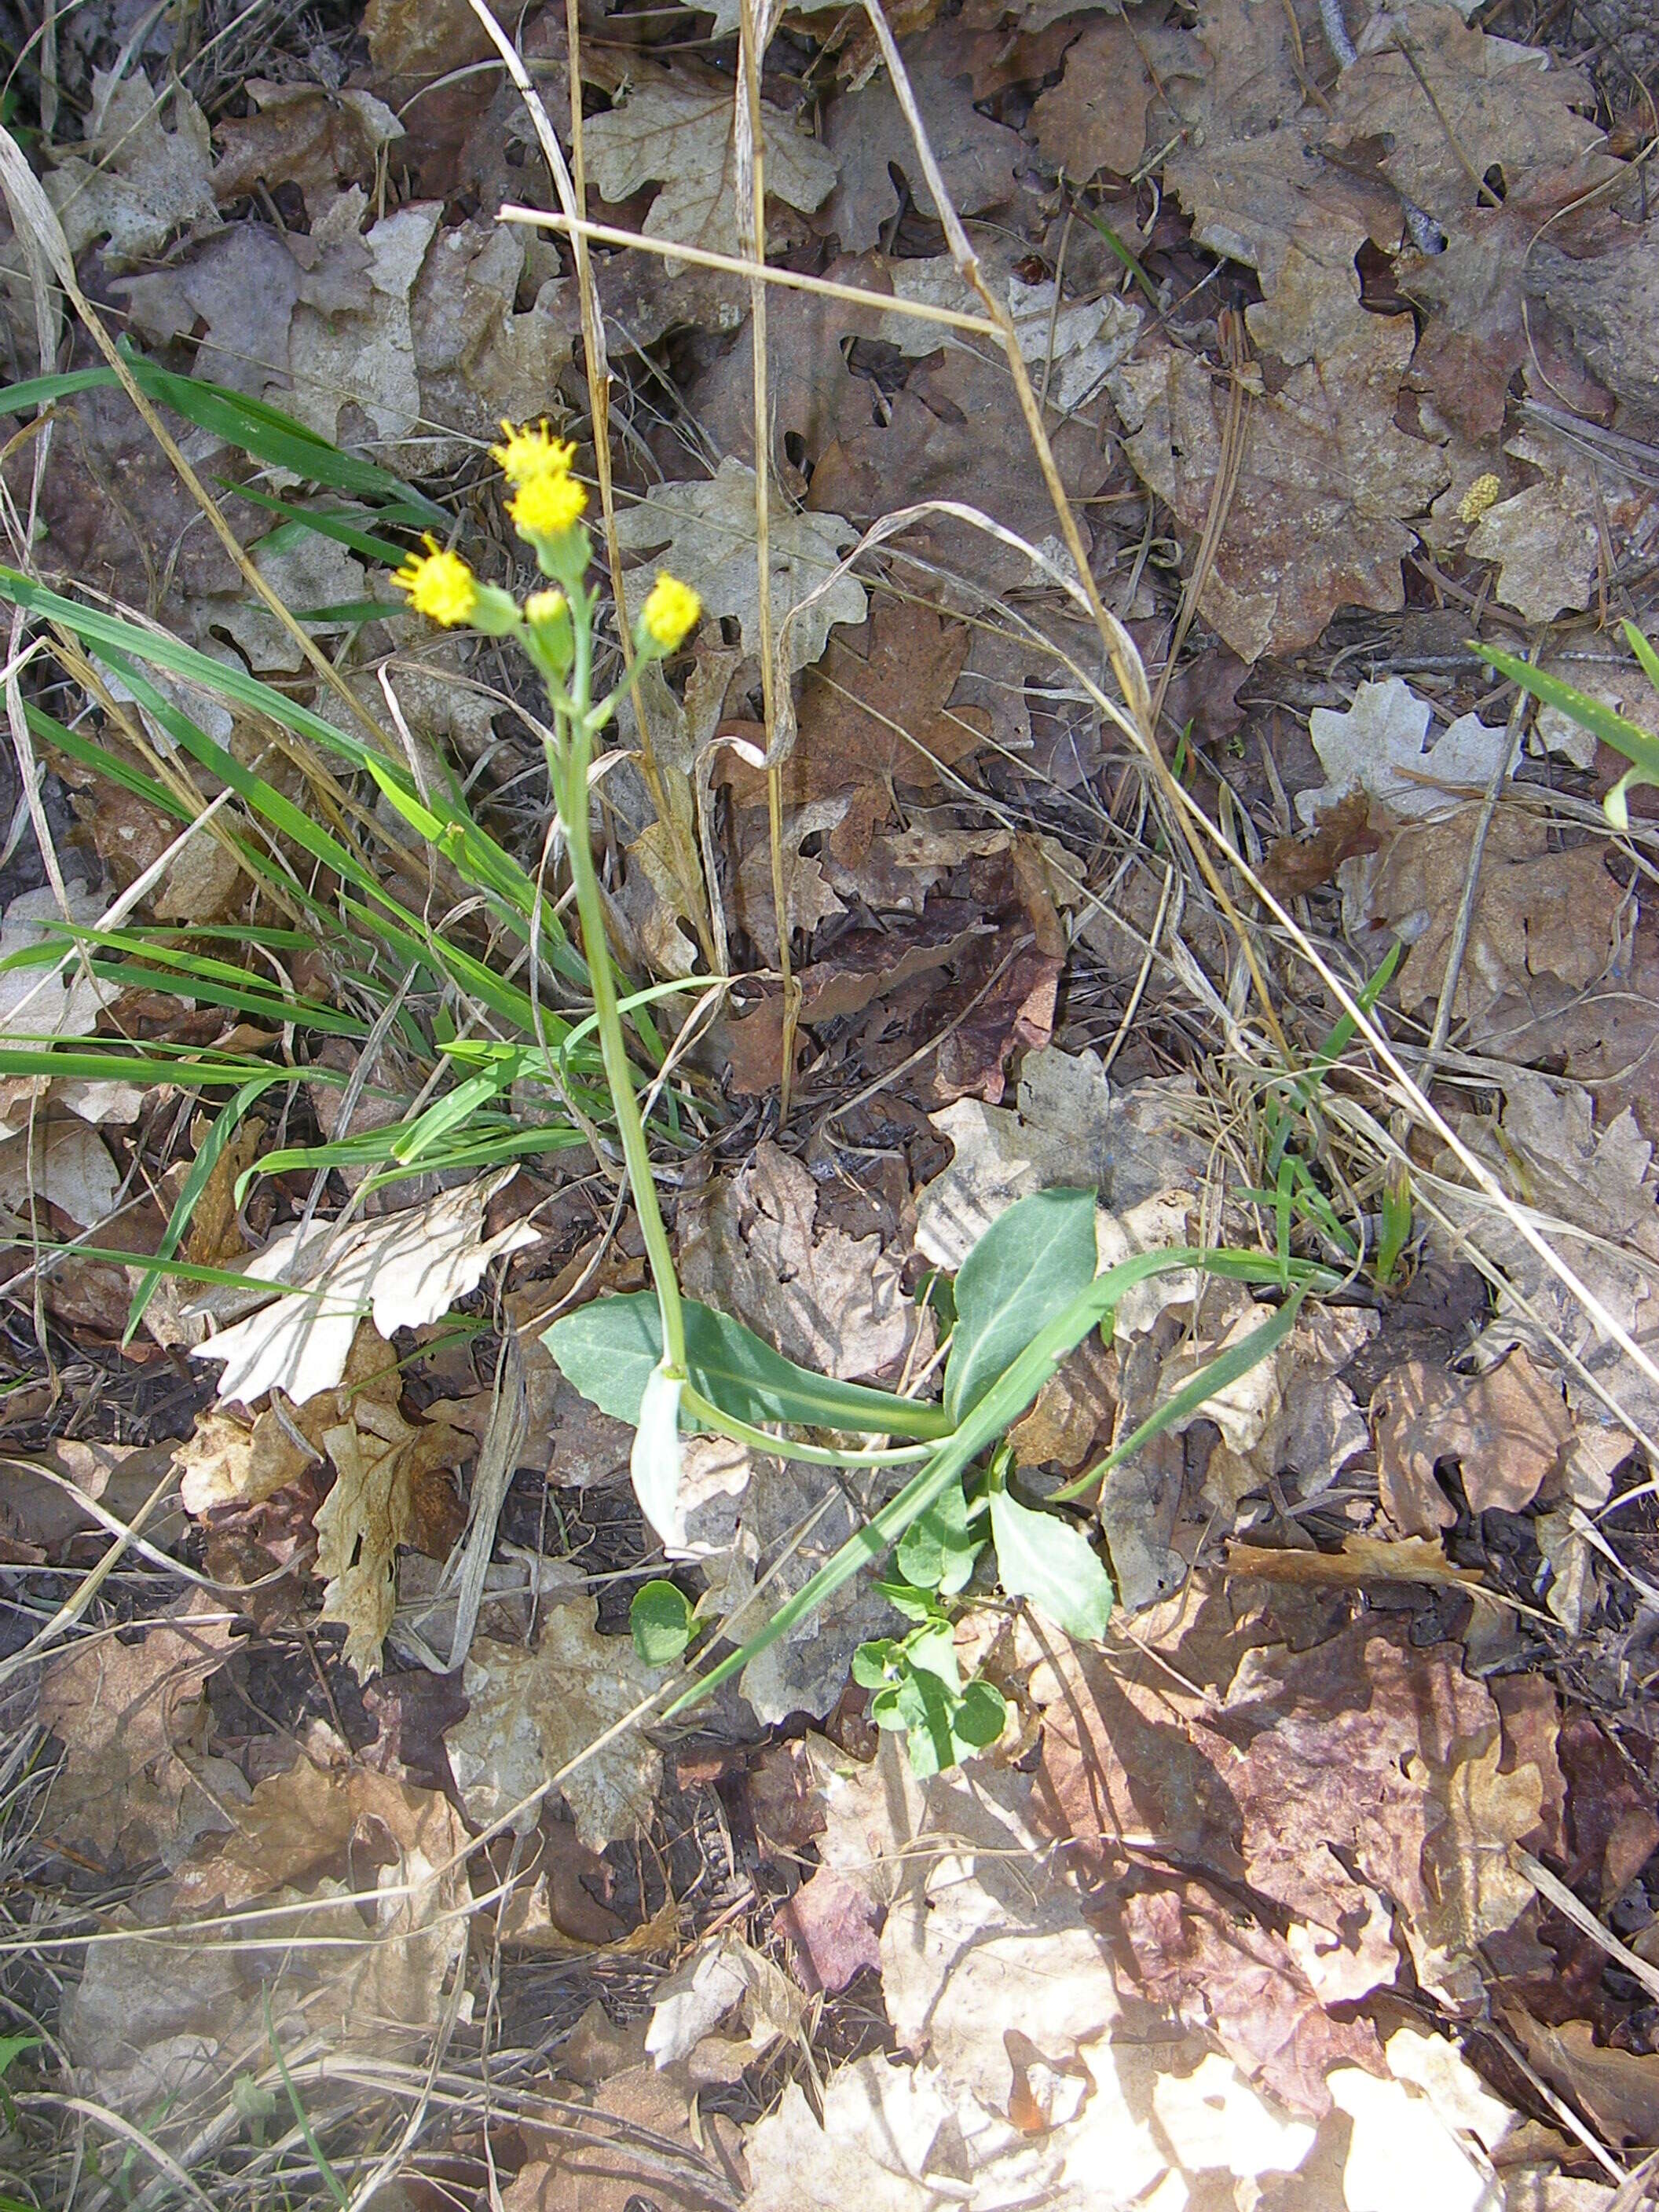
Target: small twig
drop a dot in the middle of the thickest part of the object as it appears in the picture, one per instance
(1460, 941)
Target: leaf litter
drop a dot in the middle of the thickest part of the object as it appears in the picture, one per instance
(1240, 1907)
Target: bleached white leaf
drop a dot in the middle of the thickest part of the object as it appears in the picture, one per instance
(692, 2002)
(1376, 747)
(407, 1269)
(34, 1002)
(1216, 2121)
(60, 1161)
(705, 533)
(1402, 2157)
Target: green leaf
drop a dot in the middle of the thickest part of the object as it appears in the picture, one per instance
(982, 1715)
(874, 1663)
(993, 1416)
(1044, 1559)
(925, 1705)
(1029, 1266)
(660, 1620)
(1640, 746)
(607, 1349)
(937, 1550)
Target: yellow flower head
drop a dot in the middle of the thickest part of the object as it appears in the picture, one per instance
(544, 606)
(671, 613)
(530, 452)
(439, 585)
(1484, 492)
(548, 505)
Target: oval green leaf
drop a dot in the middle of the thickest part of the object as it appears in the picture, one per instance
(661, 1620)
(1044, 1559)
(1029, 1266)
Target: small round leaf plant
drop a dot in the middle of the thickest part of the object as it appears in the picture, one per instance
(556, 628)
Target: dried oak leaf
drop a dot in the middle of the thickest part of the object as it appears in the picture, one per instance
(303, 135)
(1609, 300)
(60, 1161)
(151, 2020)
(945, 436)
(1537, 913)
(866, 130)
(1325, 485)
(749, 1245)
(1452, 103)
(1376, 747)
(1475, 291)
(1545, 537)
(142, 181)
(120, 1708)
(832, 1926)
(1096, 117)
(1197, 1957)
(531, 1711)
(871, 720)
(1507, 1429)
(706, 532)
(1619, 2089)
(678, 133)
(1293, 866)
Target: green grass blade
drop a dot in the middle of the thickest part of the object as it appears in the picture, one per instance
(194, 1184)
(1220, 1373)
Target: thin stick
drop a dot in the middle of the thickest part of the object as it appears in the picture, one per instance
(750, 142)
(1460, 942)
(669, 249)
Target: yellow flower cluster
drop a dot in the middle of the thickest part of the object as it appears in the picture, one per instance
(547, 500)
(530, 451)
(670, 612)
(439, 585)
(547, 506)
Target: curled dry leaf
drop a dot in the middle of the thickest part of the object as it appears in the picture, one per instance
(381, 1463)
(407, 1268)
(532, 1711)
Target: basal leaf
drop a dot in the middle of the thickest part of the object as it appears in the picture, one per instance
(659, 1620)
(1029, 1266)
(937, 1550)
(1044, 1559)
(608, 1349)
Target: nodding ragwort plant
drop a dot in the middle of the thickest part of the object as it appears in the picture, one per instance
(1028, 1294)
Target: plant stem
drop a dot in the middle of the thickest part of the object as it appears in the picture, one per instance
(570, 793)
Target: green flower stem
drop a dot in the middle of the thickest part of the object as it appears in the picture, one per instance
(570, 793)
(700, 1408)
